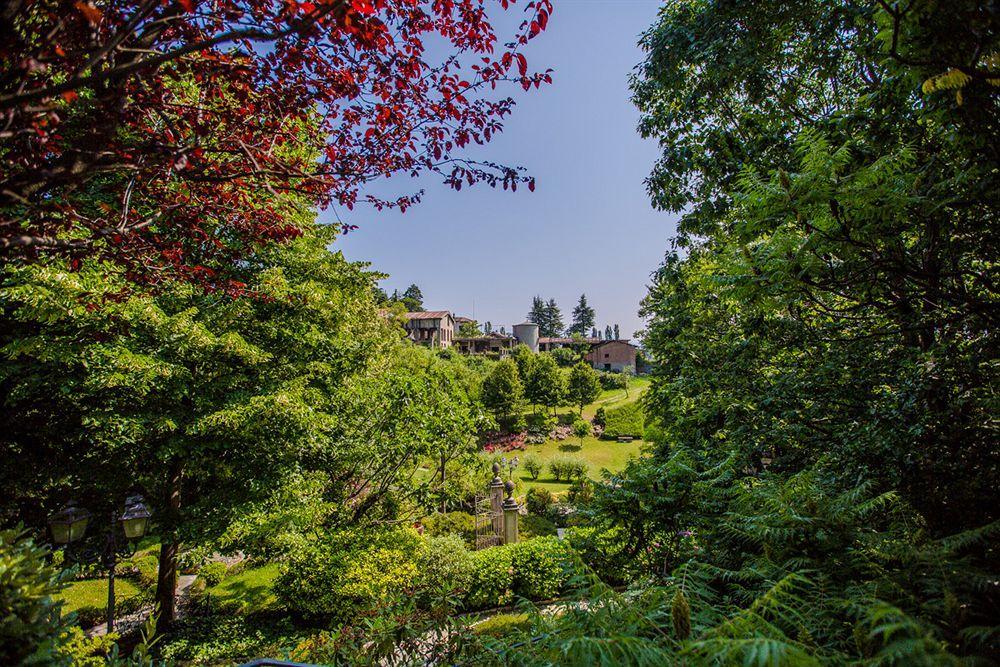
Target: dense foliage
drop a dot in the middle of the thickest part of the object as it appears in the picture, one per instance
(145, 132)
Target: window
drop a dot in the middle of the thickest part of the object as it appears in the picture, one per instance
(606, 355)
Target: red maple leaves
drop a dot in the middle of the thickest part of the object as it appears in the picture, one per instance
(176, 136)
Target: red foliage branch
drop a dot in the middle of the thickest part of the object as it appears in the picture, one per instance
(166, 135)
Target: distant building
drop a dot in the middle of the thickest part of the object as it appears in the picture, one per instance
(492, 344)
(613, 355)
(433, 328)
(547, 344)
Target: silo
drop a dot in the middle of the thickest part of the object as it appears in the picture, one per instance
(527, 333)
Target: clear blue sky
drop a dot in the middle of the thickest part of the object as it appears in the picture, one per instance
(587, 228)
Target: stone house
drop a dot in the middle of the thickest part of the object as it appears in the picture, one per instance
(433, 328)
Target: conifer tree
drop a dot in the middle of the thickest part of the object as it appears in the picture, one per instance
(583, 317)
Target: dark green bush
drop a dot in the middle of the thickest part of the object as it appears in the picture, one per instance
(581, 491)
(627, 420)
(146, 570)
(538, 500)
(600, 417)
(462, 524)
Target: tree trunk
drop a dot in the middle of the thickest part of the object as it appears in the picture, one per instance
(166, 580)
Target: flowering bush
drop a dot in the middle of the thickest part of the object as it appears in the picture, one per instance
(561, 432)
(504, 442)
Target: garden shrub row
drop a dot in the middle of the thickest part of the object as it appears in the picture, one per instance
(354, 572)
(567, 468)
(627, 420)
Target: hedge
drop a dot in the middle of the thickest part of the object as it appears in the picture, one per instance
(627, 420)
(536, 569)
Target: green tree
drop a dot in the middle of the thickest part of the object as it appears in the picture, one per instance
(186, 394)
(525, 360)
(583, 317)
(538, 314)
(546, 383)
(584, 385)
(617, 333)
(469, 329)
(608, 333)
(413, 299)
(503, 395)
(553, 320)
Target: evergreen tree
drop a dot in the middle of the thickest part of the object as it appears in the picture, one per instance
(593, 332)
(617, 333)
(607, 332)
(537, 314)
(553, 320)
(413, 299)
(583, 317)
(488, 328)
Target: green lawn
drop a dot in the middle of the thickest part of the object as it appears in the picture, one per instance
(94, 593)
(251, 590)
(599, 454)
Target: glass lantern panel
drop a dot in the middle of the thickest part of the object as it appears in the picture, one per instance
(60, 532)
(134, 528)
(78, 528)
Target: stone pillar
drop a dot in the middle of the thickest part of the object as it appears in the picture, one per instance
(510, 515)
(496, 501)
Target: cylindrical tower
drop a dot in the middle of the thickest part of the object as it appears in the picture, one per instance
(527, 333)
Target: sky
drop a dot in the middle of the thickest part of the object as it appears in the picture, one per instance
(587, 228)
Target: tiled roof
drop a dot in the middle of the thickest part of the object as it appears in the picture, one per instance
(427, 315)
(569, 341)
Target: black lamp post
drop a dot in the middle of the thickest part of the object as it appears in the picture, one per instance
(69, 524)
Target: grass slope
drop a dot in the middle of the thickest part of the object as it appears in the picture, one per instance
(250, 590)
(94, 593)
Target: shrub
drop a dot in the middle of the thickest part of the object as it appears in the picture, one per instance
(189, 561)
(581, 491)
(541, 568)
(538, 500)
(87, 651)
(536, 569)
(350, 572)
(446, 568)
(627, 420)
(536, 526)
(567, 468)
(581, 429)
(91, 615)
(613, 380)
(462, 524)
(532, 466)
(146, 570)
(213, 572)
(492, 578)
(30, 624)
(600, 417)
(541, 423)
(502, 625)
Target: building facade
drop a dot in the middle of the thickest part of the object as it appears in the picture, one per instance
(433, 328)
(613, 355)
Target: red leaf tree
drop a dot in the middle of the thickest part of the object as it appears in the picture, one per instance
(170, 135)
